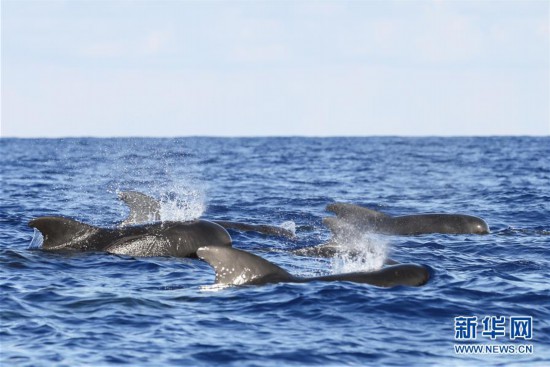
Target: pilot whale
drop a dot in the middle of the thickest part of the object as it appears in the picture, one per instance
(417, 224)
(180, 239)
(353, 221)
(237, 267)
(144, 208)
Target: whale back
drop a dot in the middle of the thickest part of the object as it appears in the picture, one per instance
(438, 223)
(350, 217)
(352, 212)
(260, 228)
(178, 239)
(237, 267)
(412, 275)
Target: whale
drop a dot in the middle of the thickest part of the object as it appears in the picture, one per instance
(144, 208)
(178, 239)
(237, 267)
(353, 221)
(368, 220)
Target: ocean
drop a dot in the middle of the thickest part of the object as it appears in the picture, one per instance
(97, 309)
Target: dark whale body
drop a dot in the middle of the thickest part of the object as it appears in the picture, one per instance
(180, 239)
(373, 221)
(237, 267)
(352, 221)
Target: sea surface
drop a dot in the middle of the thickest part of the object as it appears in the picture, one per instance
(97, 309)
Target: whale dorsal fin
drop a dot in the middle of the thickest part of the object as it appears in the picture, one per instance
(61, 232)
(351, 211)
(339, 227)
(143, 208)
(237, 267)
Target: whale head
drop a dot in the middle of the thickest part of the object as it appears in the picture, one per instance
(478, 225)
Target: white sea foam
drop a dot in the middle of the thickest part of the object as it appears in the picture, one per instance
(359, 251)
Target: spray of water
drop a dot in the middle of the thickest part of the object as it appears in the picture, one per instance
(163, 170)
(37, 239)
(358, 251)
(182, 202)
(214, 287)
(289, 225)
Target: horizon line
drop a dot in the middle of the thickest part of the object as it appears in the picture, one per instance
(272, 136)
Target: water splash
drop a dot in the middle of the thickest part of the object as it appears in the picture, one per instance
(183, 202)
(214, 287)
(37, 239)
(174, 180)
(289, 225)
(358, 251)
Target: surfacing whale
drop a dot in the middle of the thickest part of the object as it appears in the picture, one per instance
(144, 208)
(237, 267)
(353, 221)
(373, 221)
(180, 239)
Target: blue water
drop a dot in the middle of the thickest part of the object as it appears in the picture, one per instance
(100, 309)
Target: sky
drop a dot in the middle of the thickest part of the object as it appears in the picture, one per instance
(274, 68)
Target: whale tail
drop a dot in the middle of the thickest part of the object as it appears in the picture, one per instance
(61, 232)
(143, 208)
(237, 267)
